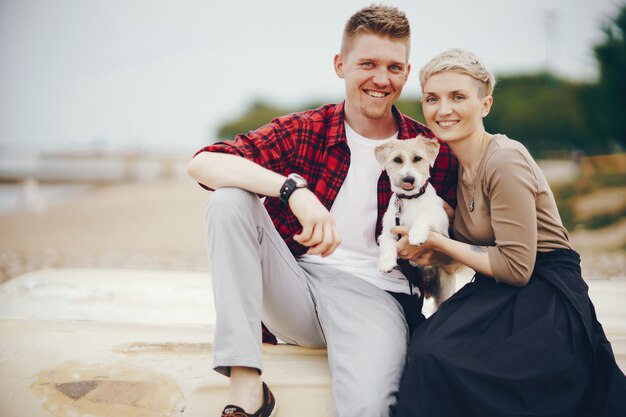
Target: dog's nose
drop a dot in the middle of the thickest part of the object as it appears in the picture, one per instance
(410, 180)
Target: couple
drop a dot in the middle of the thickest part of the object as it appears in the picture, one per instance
(520, 339)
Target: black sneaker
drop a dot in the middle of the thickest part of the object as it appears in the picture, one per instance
(268, 409)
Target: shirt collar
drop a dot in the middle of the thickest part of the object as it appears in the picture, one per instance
(337, 131)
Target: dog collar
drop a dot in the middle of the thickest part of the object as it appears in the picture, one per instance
(419, 193)
(398, 202)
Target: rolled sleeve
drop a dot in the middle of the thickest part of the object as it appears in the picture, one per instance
(268, 146)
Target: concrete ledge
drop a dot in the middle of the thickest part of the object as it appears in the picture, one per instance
(81, 342)
(139, 342)
(167, 367)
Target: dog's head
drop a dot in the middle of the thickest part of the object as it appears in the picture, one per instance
(408, 162)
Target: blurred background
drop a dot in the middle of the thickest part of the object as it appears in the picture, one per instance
(102, 103)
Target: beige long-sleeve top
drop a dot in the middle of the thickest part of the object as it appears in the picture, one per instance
(514, 210)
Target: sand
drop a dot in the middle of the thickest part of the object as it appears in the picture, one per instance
(156, 224)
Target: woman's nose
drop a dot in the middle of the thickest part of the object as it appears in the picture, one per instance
(444, 107)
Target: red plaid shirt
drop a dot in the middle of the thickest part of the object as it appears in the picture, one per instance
(313, 144)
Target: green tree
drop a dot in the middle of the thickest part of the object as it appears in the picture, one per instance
(605, 102)
(258, 114)
(541, 111)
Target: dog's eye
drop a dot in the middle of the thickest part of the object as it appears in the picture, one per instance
(417, 158)
(397, 160)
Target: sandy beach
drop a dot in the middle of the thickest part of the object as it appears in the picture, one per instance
(159, 224)
(152, 224)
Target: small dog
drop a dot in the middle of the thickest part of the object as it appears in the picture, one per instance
(414, 204)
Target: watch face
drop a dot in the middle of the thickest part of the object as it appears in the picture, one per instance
(300, 182)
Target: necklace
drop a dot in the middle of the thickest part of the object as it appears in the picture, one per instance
(482, 149)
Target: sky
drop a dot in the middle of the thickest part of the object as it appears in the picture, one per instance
(161, 75)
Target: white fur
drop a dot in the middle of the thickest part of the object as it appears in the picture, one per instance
(421, 214)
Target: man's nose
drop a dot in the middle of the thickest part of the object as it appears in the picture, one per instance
(381, 77)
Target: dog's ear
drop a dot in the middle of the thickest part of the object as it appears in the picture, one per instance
(432, 149)
(382, 152)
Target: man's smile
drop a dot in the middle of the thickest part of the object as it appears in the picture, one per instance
(376, 94)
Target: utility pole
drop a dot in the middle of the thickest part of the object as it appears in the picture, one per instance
(550, 21)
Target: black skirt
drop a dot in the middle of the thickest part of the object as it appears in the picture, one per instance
(495, 350)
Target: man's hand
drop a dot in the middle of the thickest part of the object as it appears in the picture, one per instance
(319, 232)
(424, 254)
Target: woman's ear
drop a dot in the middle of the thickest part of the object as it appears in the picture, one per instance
(487, 103)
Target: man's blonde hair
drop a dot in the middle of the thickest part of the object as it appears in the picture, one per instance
(461, 61)
(377, 19)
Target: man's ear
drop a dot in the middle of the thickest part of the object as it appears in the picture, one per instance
(338, 64)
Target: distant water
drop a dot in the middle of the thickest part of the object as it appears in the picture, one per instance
(84, 169)
(33, 183)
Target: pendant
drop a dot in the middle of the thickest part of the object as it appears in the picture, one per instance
(471, 204)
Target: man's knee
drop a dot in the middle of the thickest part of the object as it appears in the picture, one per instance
(229, 201)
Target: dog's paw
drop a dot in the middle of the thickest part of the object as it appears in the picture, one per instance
(387, 263)
(417, 236)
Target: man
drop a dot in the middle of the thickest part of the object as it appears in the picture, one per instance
(305, 261)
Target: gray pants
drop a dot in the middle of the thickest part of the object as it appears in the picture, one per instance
(255, 277)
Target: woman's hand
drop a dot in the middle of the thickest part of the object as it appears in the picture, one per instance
(424, 254)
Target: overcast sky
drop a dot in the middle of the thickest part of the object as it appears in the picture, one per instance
(162, 75)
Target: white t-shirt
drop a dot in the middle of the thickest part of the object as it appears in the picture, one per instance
(355, 211)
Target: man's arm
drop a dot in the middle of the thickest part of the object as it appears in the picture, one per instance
(218, 170)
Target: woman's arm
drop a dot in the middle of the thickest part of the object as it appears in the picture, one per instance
(440, 249)
(473, 256)
(511, 185)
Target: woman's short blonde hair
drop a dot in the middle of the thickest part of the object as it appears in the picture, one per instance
(461, 61)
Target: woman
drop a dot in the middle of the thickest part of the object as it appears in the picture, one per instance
(522, 338)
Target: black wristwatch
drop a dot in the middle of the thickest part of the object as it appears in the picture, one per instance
(293, 182)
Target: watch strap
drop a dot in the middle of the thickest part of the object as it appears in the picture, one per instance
(289, 186)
